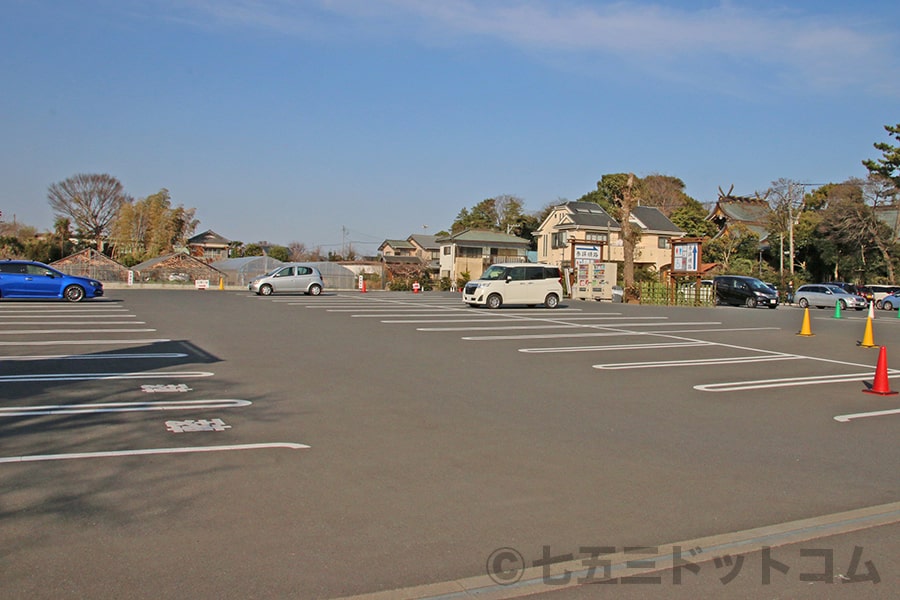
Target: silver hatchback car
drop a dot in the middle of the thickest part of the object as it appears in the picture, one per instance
(822, 294)
(289, 278)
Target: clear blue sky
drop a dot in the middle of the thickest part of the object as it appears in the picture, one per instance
(285, 120)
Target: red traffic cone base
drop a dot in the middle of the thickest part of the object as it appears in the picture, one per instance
(881, 385)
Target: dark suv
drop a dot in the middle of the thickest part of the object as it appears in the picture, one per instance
(739, 290)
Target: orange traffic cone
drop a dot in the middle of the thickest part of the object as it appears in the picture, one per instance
(805, 329)
(868, 342)
(363, 288)
(881, 385)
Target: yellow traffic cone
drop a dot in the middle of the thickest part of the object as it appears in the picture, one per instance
(868, 342)
(221, 283)
(805, 329)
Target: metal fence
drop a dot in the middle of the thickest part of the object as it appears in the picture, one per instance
(684, 294)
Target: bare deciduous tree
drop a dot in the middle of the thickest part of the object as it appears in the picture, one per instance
(91, 201)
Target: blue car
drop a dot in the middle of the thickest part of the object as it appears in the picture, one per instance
(30, 279)
(891, 302)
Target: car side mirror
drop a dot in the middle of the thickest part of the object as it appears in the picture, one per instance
(508, 278)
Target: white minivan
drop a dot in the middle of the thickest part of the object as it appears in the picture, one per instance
(515, 283)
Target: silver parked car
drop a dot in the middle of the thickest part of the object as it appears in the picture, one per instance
(289, 278)
(823, 295)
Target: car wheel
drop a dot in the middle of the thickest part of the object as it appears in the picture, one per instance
(315, 289)
(73, 293)
(803, 302)
(551, 301)
(887, 306)
(878, 304)
(751, 302)
(266, 290)
(843, 304)
(494, 301)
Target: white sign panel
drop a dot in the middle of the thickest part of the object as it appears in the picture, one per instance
(585, 254)
(686, 257)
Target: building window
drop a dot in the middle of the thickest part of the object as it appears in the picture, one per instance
(446, 250)
(663, 242)
(560, 239)
(596, 237)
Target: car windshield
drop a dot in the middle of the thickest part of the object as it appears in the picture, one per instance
(836, 289)
(493, 273)
(758, 286)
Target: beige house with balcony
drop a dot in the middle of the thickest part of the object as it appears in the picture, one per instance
(468, 253)
(587, 223)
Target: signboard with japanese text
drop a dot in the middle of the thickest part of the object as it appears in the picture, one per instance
(686, 256)
(587, 253)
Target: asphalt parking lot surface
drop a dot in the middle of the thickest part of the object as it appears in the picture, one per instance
(216, 444)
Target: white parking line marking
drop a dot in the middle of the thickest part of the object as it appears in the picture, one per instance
(500, 327)
(451, 318)
(94, 322)
(114, 407)
(614, 347)
(762, 384)
(84, 342)
(26, 331)
(564, 325)
(103, 376)
(97, 356)
(113, 313)
(150, 451)
(448, 315)
(698, 362)
(865, 415)
(663, 333)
